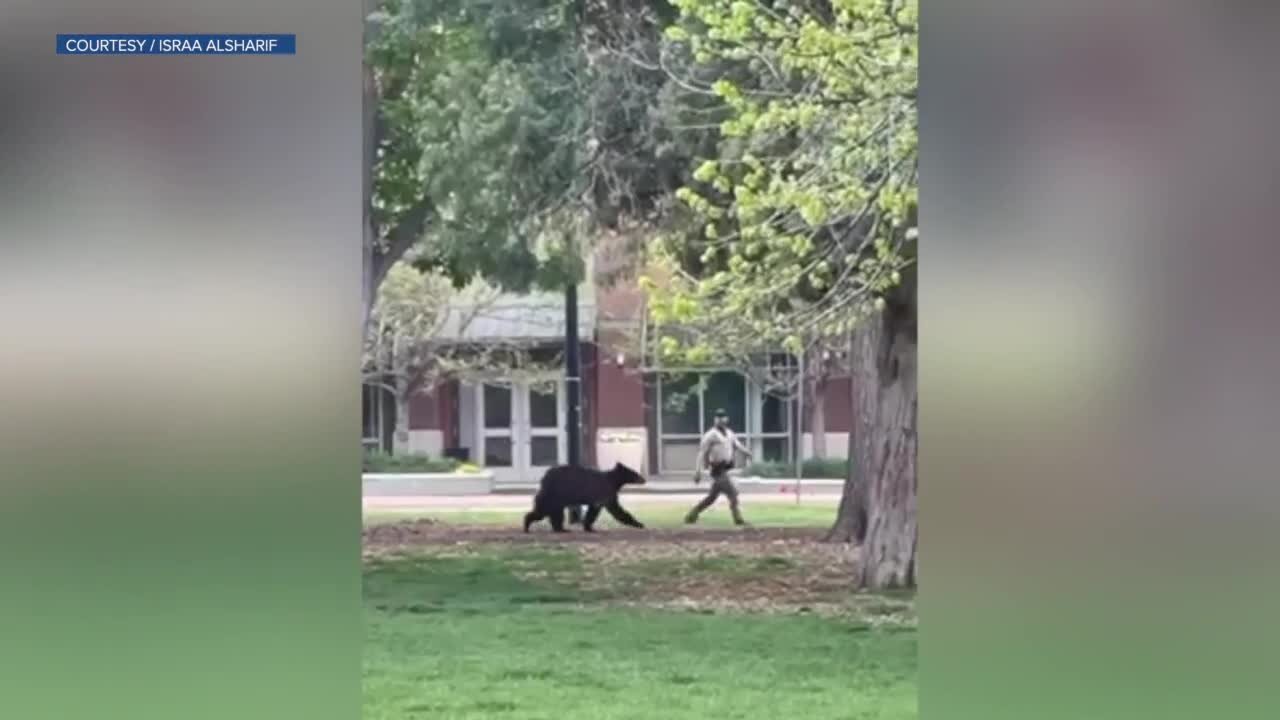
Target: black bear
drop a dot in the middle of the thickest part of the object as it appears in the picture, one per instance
(568, 486)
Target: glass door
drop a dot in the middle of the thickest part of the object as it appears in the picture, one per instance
(498, 426)
(543, 423)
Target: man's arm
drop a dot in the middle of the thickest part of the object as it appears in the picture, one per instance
(741, 448)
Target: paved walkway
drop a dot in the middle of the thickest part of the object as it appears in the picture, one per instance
(674, 487)
(455, 503)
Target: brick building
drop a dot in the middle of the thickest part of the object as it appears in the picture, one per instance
(517, 430)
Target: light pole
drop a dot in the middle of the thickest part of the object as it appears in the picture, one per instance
(573, 387)
(800, 428)
(572, 375)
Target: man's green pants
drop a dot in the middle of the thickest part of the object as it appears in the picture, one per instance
(721, 484)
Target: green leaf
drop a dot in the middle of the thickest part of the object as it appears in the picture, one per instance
(707, 171)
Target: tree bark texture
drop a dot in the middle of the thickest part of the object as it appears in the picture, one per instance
(885, 353)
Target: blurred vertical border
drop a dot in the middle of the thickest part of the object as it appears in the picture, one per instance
(1098, 357)
(179, 313)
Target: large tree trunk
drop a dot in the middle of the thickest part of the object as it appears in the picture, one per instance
(888, 558)
(879, 504)
(886, 412)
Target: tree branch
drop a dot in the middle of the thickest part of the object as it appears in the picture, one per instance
(402, 237)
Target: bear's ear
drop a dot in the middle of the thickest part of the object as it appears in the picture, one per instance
(619, 467)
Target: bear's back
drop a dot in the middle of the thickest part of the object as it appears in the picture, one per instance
(577, 484)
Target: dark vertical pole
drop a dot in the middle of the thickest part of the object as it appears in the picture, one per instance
(573, 386)
(573, 375)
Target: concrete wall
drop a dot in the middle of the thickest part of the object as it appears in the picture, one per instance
(837, 445)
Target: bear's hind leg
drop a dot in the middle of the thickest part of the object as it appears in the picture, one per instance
(557, 519)
(531, 518)
(538, 513)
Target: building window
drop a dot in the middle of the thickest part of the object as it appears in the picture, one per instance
(498, 452)
(681, 405)
(689, 400)
(497, 406)
(773, 443)
(377, 418)
(727, 391)
(678, 454)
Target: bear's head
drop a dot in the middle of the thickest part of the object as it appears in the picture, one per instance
(623, 475)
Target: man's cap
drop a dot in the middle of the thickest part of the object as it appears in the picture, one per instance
(720, 412)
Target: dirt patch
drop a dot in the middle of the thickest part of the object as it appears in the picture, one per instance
(396, 538)
(762, 572)
(430, 532)
(397, 534)
(756, 570)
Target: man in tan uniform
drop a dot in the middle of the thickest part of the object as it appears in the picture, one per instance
(716, 453)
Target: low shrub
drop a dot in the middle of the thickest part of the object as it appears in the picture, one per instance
(381, 462)
(824, 468)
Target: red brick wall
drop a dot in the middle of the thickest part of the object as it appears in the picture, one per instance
(447, 413)
(590, 402)
(620, 395)
(838, 406)
(433, 410)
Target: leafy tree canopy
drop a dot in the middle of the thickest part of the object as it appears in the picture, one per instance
(478, 128)
(801, 219)
(509, 131)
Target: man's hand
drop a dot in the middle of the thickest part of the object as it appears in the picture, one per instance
(697, 477)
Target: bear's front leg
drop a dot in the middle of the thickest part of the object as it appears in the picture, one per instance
(588, 523)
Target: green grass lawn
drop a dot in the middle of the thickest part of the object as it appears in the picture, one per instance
(765, 513)
(474, 635)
